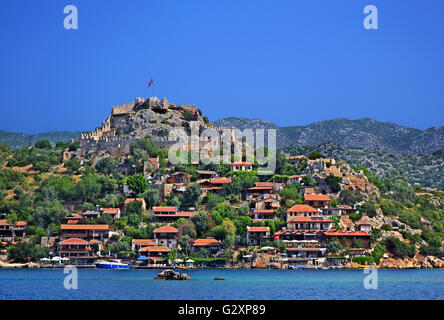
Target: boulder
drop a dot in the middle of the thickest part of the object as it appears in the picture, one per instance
(172, 275)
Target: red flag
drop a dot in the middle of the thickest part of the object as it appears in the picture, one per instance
(151, 82)
(276, 237)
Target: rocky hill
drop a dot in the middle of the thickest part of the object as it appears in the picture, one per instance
(364, 132)
(426, 169)
(20, 140)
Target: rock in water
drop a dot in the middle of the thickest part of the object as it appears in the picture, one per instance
(217, 278)
(172, 275)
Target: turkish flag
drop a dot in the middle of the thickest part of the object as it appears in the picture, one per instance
(151, 82)
(276, 237)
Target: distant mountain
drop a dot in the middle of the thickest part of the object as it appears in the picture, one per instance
(20, 140)
(364, 132)
(426, 169)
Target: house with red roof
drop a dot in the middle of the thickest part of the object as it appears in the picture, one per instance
(257, 235)
(310, 223)
(137, 244)
(297, 178)
(264, 214)
(241, 166)
(260, 190)
(209, 244)
(166, 236)
(113, 212)
(84, 231)
(154, 253)
(301, 210)
(78, 251)
(9, 230)
(129, 200)
(317, 200)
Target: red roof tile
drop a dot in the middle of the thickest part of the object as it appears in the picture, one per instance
(97, 227)
(220, 180)
(309, 219)
(258, 229)
(166, 229)
(73, 241)
(302, 208)
(316, 197)
(206, 242)
(340, 233)
(241, 163)
(154, 249)
(164, 209)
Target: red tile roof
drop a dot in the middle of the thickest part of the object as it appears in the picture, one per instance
(132, 199)
(206, 242)
(296, 176)
(111, 210)
(241, 163)
(154, 249)
(21, 223)
(73, 241)
(164, 209)
(304, 249)
(264, 211)
(261, 188)
(166, 229)
(309, 219)
(258, 229)
(94, 241)
(340, 233)
(97, 227)
(316, 197)
(145, 242)
(302, 208)
(220, 180)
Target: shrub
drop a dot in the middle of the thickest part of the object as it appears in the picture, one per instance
(363, 259)
(386, 227)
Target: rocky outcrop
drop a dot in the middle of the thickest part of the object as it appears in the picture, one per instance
(261, 261)
(412, 263)
(172, 275)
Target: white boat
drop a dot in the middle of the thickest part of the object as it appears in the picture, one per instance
(111, 264)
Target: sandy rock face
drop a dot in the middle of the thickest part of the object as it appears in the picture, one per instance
(261, 261)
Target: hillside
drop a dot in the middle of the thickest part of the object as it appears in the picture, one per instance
(426, 169)
(364, 132)
(20, 140)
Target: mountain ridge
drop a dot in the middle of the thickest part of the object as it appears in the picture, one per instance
(361, 132)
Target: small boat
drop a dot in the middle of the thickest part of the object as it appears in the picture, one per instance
(111, 264)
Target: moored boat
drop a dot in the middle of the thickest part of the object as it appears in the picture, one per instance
(111, 264)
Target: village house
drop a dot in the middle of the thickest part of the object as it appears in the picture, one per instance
(151, 165)
(307, 236)
(210, 244)
(257, 235)
(260, 190)
(259, 215)
(268, 202)
(317, 200)
(213, 184)
(8, 230)
(84, 231)
(306, 256)
(301, 210)
(129, 200)
(170, 214)
(178, 177)
(363, 224)
(113, 212)
(91, 215)
(241, 166)
(73, 219)
(309, 223)
(166, 236)
(206, 174)
(78, 251)
(297, 178)
(154, 253)
(137, 244)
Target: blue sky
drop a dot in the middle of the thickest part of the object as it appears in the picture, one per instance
(290, 62)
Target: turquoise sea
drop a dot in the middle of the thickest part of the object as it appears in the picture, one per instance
(98, 284)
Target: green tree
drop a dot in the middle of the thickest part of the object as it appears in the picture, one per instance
(43, 144)
(191, 195)
(138, 183)
(107, 165)
(202, 223)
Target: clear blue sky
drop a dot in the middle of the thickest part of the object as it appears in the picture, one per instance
(290, 62)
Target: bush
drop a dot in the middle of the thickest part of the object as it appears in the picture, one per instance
(43, 144)
(398, 248)
(363, 259)
(386, 227)
(378, 252)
